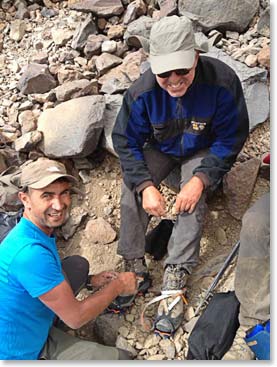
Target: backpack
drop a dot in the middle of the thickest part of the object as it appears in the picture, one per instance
(8, 221)
(9, 187)
(156, 240)
(215, 330)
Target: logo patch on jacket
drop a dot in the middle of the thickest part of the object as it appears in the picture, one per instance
(198, 126)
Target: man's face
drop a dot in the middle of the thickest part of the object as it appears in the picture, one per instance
(47, 208)
(177, 85)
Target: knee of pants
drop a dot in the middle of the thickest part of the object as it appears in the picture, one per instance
(77, 262)
(124, 354)
(255, 234)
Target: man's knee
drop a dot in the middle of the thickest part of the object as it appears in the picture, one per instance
(124, 354)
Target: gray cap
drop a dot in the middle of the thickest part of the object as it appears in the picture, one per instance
(42, 172)
(172, 44)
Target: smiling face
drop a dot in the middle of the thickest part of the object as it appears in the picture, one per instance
(47, 208)
(177, 85)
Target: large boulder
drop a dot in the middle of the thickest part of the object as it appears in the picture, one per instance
(73, 128)
(224, 15)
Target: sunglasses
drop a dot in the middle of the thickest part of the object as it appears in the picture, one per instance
(167, 74)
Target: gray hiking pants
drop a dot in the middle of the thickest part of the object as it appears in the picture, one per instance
(184, 243)
(252, 281)
(62, 346)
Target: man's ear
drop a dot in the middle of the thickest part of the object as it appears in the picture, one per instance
(24, 198)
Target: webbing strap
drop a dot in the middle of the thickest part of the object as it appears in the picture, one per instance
(175, 294)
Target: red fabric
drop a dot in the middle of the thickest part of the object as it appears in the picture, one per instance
(266, 159)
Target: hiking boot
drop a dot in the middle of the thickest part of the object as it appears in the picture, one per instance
(239, 350)
(137, 266)
(170, 312)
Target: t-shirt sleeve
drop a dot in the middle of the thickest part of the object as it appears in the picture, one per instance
(38, 270)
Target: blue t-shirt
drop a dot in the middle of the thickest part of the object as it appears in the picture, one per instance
(29, 267)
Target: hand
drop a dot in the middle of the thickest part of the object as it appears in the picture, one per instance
(128, 283)
(153, 202)
(189, 195)
(103, 278)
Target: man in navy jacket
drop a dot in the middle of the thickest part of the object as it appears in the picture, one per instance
(188, 111)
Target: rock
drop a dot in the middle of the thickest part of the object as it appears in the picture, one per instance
(68, 90)
(82, 32)
(36, 79)
(109, 46)
(106, 328)
(28, 141)
(115, 32)
(93, 44)
(122, 343)
(61, 36)
(221, 235)
(73, 128)
(151, 341)
(103, 8)
(99, 231)
(264, 57)
(3, 165)
(263, 25)
(113, 104)
(28, 121)
(18, 29)
(77, 216)
(238, 185)
(106, 61)
(168, 7)
(254, 84)
(225, 15)
(157, 357)
(168, 348)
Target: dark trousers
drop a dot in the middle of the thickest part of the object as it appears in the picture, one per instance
(184, 243)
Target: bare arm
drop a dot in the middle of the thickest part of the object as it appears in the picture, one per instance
(76, 313)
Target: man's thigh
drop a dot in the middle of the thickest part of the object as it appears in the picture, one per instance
(159, 164)
(62, 346)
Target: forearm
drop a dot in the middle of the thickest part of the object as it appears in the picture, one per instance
(92, 306)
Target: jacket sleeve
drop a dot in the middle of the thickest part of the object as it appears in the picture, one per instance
(132, 129)
(230, 128)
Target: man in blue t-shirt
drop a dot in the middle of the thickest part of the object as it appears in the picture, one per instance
(35, 286)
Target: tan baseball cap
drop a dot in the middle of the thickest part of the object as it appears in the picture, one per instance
(42, 172)
(172, 44)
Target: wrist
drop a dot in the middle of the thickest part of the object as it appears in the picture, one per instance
(197, 180)
(117, 285)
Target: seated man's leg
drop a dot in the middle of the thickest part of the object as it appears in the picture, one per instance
(62, 346)
(183, 252)
(75, 269)
(134, 220)
(252, 278)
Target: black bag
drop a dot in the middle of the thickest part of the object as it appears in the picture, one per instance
(7, 222)
(215, 330)
(156, 240)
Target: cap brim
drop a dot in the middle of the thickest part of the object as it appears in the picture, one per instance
(183, 59)
(51, 178)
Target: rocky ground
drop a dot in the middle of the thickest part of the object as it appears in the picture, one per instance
(55, 53)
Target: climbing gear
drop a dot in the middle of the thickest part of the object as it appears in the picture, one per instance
(121, 303)
(209, 293)
(168, 301)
